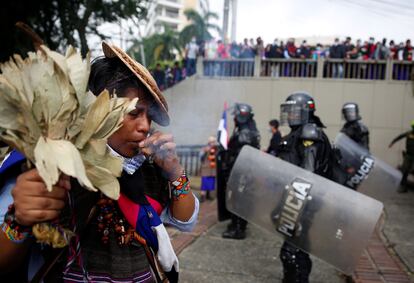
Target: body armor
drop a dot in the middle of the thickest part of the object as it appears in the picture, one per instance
(358, 132)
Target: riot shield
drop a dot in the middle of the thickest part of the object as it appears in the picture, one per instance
(314, 214)
(364, 172)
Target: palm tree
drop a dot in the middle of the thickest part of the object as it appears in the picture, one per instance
(199, 27)
(159, 47)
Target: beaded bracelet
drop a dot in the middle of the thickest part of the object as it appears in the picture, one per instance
(180, 187)
(12, 230)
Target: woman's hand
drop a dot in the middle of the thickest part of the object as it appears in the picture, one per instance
(34, 203)
(161, 147)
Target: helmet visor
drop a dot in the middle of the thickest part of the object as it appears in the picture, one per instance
(292, 115)
(350, 114)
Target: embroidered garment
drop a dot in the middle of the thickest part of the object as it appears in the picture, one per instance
(112, 262)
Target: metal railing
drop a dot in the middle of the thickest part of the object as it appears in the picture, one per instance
(228, 67)
(403, 71)
(308, 68)
(355, 69)
(303, 68)
(189, 156)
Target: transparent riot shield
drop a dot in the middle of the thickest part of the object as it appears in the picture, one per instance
(364, 172)
(316, 215)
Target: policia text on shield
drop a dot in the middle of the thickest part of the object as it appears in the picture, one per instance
(314, 214)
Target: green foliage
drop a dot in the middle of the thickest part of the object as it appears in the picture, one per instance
(62, 22)
(159, 47)
(165, 63)
(199, 27)
(170, 45)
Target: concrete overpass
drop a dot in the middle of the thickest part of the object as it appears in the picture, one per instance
(386, 106)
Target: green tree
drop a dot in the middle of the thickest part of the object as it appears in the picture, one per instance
(62, 22)
(200, 26)
(159, 47)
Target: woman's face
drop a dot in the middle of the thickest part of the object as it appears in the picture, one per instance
(135, 126)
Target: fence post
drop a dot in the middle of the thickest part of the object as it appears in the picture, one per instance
(388, 69)
(257, 66)
(199, 66)
(319, 68)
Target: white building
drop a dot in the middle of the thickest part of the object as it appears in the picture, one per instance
(170, 13)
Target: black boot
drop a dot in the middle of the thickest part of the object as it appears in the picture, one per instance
(403, 184)
(236, 230)
(297, 264)
(231, 226)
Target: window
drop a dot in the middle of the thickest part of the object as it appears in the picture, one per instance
(172, 13)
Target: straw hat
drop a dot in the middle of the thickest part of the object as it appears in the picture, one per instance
(112, 51)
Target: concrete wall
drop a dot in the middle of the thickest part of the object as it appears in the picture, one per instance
(386, 107)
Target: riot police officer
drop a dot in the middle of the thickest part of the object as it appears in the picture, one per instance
(354, 128)
(308, 147)
(408, 155)
(245, 133)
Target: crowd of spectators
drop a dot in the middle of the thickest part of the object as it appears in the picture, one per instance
(214, 50)
(167, 76)
(369, 49)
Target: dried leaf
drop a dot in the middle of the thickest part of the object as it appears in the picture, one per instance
(104, 181)
(109, 125)
(46, 163)
(77, 68)
(53, 156)
(13, 75)
(96, 152)
(47, 88)
(57, 58)
(97, 112)
(8, 110)
(10, 103)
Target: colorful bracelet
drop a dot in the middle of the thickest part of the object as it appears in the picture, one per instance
(180, 187)
(12, 230)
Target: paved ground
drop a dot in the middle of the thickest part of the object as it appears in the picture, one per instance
(399, 226)
(206, 257)
(256, 259)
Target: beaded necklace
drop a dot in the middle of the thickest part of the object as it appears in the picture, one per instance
(110, 218)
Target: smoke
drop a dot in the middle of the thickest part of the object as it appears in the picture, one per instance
(193, 119)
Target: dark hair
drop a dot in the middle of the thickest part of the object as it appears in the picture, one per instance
(274, 123)
(111, 74)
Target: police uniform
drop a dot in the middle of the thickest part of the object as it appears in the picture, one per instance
(354, 128)
(308, 147)
(245, 133)
(408, 155)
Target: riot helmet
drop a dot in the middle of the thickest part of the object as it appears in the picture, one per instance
(297, 110)
(243, 113)
(350, 112)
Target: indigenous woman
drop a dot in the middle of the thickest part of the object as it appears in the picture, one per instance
(120, 240)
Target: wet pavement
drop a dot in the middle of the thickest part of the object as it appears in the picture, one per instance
(206, 257)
